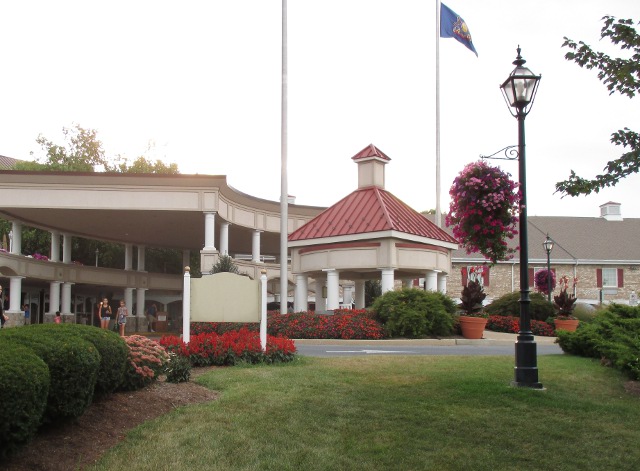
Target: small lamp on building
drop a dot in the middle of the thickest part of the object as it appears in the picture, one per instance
(97, 252)
(548, 246)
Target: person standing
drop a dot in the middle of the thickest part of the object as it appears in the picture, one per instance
(27, 314)
(121, 317)
(58, 319)
(104, 311)
(151, 316)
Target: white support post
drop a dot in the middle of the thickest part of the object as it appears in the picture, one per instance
(442, 283)
(186, 306)
(55, 246)
(431, 280)
(141, 257)
(15, 288)
(301, 297)
(255, 246)
(360, 298)
(65, 304)
(263, 310)
(209, 231)
(66, 248)
(15, 238)
(128, 299)
(387, 279)
(224, 238)
(321, 305)
(333, 289)
(128, 256)
(54, 297)
(140, 299)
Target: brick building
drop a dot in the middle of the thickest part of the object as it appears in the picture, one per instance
(603, 253)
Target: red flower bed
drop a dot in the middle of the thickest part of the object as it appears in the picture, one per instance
(512, 325)
(343, 324)
(230, 348)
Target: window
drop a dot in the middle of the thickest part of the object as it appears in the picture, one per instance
(610, 277)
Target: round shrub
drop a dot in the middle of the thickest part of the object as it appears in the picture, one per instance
(415, 313)
(111, 347)
(146, 360)
(73, 367)
(24, 382)
(509, 305)
(178, 369)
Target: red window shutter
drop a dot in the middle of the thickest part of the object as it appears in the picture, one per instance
(599, 277)
(531, 280)
(620, 278)
(485, 276)
(464, 276)
(553, 270)
(416, 282)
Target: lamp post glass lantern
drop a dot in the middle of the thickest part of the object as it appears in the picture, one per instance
(519, 91)
(548, 246)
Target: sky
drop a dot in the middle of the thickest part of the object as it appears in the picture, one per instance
(200, 83)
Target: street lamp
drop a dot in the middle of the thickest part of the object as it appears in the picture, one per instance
(548, 246)
(519, 91)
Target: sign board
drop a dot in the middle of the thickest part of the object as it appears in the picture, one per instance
(225, 297)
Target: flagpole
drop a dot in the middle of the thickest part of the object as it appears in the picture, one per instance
(438, 211)
(284, 192)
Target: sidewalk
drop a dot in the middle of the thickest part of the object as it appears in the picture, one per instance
(488, 339)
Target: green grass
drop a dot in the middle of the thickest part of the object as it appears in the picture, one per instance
(396, 413)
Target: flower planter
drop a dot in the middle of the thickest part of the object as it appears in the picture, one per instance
(472, 327)
(569, 324)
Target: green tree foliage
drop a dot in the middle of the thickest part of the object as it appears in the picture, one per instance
(143, 165)
(619, 75)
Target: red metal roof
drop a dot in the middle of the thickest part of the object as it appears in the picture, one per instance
(369, 210)
(370, 151)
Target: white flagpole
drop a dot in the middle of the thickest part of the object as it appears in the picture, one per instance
(438, 211)
(284, 192)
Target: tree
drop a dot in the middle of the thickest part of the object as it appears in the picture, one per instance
(142, 165)
(619, 75)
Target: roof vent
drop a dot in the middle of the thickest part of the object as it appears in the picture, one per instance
(611, 211)
(371, 162)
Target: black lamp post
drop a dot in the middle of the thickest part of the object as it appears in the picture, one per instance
(548, 246)
(519, 91)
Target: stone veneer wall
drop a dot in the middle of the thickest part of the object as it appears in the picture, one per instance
(505, 278)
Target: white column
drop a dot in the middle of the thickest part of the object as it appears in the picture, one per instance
(224, 238)
(442, 283)
(209, 231)
(387, 279)
(65, 303)
(66, 250)
(431, 280)
(141, 257)
(186, 306)
(128, 299)
(186, 257)
(54, 297)
(255, 246)
(55, 246)
(15, 242)
(128, 256)
(300, 303)
(347, 295)
(333, 289)
(15, 288)
(321, 305)
(360, 299)
(140, 299)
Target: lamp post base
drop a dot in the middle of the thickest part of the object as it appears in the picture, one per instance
(526, 369)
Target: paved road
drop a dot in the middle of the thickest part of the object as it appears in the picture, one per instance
(376, 349)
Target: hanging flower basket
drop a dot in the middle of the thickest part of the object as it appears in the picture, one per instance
(483, 212)
(541, 280)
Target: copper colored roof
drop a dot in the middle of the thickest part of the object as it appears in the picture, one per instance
(370, 151)
(367, 210)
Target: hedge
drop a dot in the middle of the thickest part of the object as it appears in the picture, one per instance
(73, 366)
(112, 348)
(24, 382)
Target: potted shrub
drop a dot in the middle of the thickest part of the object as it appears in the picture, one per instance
(565, 303)
(473, 321)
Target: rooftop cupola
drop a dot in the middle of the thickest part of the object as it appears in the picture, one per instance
(371, 162)
(611, 211)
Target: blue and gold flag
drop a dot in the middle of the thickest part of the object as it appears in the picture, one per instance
(452, 26)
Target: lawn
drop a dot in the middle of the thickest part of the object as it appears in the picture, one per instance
(396, 413)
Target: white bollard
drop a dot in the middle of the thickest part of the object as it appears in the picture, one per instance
(263, 313)
(186, 306)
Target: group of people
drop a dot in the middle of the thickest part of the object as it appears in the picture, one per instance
(105, 313)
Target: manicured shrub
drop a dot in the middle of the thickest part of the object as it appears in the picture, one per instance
(73, 367)
(146, 361)
(111, 347)
(178, 368)
(414, 313)
(24, 382)
(613, 336)
(509, 305)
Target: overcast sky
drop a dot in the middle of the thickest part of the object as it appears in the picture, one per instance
(201, 79)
